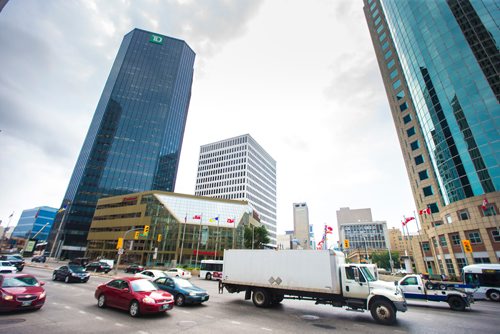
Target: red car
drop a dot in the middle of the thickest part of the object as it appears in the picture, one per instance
(135, 294)
(20, 292)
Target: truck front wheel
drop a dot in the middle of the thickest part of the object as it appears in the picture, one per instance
(456, 303)
(493, 295)
(383, 312)
(261, 298)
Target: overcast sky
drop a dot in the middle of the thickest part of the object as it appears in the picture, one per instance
(300, 77)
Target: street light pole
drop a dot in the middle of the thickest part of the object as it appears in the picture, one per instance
(56, 239)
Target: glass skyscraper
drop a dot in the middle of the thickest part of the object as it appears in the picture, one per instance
(135, 138)
(440, 64)
(35, 222)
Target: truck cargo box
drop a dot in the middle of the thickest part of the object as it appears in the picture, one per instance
(300, 270)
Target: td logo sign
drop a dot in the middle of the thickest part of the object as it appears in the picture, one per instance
(156, 39)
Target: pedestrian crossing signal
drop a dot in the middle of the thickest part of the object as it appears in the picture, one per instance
(159, 237)
(136, 236)
(346, 243)
(467, 246)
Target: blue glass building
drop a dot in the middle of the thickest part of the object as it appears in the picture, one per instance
(35, 222)
(135, 138)
(440, 64)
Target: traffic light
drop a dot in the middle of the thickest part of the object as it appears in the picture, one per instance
(159, 237)
(119, 244)
(146, 229)
(136, 236)
(467, 246)
(346, 243)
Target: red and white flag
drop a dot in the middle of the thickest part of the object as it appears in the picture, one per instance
(485, 204)
(196, 217)
(230, 221)
(425, 211)
(328, 229)
(407, 220)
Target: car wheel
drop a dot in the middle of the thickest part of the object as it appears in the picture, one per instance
(429, 285)
(180, 300)
(493, 295)
(101, 301)
(133, 310)
(209, 276)
(54, 277)
(66, 279)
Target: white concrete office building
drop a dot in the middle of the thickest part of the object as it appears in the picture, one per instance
(239, 168)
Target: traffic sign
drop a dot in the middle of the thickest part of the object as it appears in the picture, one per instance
(120, 251)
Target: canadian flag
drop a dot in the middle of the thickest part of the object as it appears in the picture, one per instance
(425, 211)
(196, 217)
(485, 204)
(407, 220)
(328, 229)
(229, 220)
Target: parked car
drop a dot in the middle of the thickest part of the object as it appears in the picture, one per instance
(15, 259)
(184, 291)
(71, 273)
(20, 292)
(39, 258)
(7, 268)
(151, 274)
(178, 272)
(134, 268)
(137, 295)
(101, 267)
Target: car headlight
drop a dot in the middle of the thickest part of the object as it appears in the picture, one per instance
(192, 293)
(7, 297)
(148, 300)
(42, 295)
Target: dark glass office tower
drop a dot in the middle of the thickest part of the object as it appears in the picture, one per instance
(440, 64)
(135, 138)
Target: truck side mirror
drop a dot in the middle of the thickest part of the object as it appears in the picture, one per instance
(356, 274)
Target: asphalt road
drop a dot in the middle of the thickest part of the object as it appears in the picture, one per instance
(71, 308)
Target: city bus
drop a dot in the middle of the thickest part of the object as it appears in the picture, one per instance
(211, 269)
(484, 279)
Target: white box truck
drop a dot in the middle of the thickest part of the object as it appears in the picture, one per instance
(269, 276)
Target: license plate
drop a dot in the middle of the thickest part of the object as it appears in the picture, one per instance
(204, 298)
(165, 307)
(25, 303)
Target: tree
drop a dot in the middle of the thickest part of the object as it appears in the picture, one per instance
(259, 235)
(382, 259)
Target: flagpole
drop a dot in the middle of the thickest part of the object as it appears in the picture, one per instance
(182, 241)
(420, 242)
(217, 239)
(198, 246)
(406, 242)
(436, 263)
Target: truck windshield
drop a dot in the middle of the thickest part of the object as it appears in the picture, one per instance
(367, 273)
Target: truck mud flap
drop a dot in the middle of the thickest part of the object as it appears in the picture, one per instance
(248, 294)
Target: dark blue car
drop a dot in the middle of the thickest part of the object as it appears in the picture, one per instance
(184, 292)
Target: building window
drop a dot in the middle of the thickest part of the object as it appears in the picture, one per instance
(455, 239)
(434, 242)
(437, 223)
(410, 132)
(423, 175)
(434, 207)
(375, 13)
(460, 263)
(379, 29)
(403, 107)
(396, 84)
(377, 21)
(425, 246)
(448, 219)
(388, 54)
(400, 95)
(419, 159)
(415, 145)
(428, 191)
(394, 73)
(475, 237)
(385, 45)
(390, 64)
(449, 266)
(482, 260)
(490, 210)
(463, 214)
(442, 241)
(407, 119)
(382, 37)
(496, 235)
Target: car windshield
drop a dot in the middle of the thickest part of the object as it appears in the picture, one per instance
(183, 283)
(77, 269)
(143, 285)
(10, 282)
(368, 275)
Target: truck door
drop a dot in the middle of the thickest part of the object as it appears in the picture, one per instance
(411, 287)
(354, 283)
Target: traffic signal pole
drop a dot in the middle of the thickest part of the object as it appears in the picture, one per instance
(120, 251)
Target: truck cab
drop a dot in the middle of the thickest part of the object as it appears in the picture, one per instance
(414, 287)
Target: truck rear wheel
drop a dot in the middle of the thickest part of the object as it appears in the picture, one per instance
(261, 298)
(456, 303)
(383, 312)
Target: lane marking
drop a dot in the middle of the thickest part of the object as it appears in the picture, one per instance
(67, 307)
(187, 312)
(118, 324)
(82, 312)
(235, 322)
(142, 332)
(209, 317)
(99, 318)
(266, 329)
